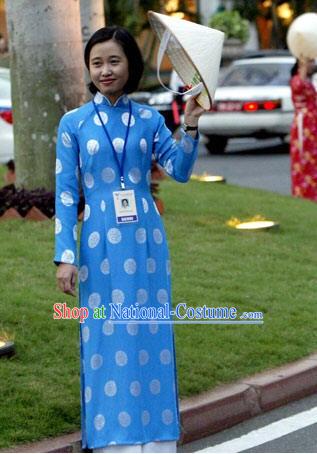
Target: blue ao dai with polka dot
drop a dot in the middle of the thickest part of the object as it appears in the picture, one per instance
(128, 371)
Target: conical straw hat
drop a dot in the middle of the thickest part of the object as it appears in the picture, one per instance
(194, 51)
(302, 36)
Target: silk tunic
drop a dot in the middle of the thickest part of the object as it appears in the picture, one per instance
(128, 371)
(304, 139)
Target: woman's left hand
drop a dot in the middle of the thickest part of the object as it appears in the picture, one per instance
(193, 111)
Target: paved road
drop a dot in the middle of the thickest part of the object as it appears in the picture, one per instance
(292, 428)
(250, 163)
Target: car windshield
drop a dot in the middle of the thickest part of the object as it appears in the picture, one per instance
(257, 74)
(5, 92)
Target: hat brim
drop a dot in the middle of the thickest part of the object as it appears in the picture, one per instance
(190, 77)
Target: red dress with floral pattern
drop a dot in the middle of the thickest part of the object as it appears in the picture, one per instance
(304, 139)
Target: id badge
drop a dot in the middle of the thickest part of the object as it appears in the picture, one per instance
(125, 206)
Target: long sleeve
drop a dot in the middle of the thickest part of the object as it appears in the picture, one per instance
(177, 158)
(66, 194)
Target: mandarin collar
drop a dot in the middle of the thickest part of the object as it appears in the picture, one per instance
(122, 101)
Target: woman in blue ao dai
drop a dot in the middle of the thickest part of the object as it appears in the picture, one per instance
(129, 398)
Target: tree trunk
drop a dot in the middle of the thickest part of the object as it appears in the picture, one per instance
(47, 76)
(92, 13)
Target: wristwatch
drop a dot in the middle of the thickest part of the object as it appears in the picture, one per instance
(189, 128)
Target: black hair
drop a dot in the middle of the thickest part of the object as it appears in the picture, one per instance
(129, 47)
(294, 69)
(10, 165)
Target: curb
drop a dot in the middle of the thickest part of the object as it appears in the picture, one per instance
(221, 408)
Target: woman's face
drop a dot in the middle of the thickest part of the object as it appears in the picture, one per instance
(109, 68)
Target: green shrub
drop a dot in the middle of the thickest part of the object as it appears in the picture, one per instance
(232, 24)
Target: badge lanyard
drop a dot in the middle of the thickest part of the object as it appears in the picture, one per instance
(120, 165)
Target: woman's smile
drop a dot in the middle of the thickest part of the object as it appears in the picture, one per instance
(109, 69)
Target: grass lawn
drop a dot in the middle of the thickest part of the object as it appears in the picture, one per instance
(3, 170)
(273, 272)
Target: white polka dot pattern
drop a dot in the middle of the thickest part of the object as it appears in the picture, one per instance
(167, 417)
(108, 328)
(96, 361)
(145, 417)
(150, 265)
(104, 118)
(114, 235)
(89, 180)
(94, 300)
(86, 212)
(93, 240)
(143, 145)
(118, 144)
(58, 166)
(58, 226)
(103, 205)
(66, 140)
(130, 266)
(145, 205)
(155, 386)
(117, 296)
(141, 296)
(98, 98)
(169, 167)
(157, 236)
(135, 388)
(67, 198)
(153, 328)
(162, 296)
(108, 175)
(143, 357)
(125, 119)
(110, 388)
(88, 394)
(99, 422)
(140, 235)
(86, 334)
(83, 273)
(148, 177)
(121, 358)
(132, 328)
(68, 256)
(165, 356)
(145, 113)
(93, 146)
(105, 266)
(124, 419)
(135, 175)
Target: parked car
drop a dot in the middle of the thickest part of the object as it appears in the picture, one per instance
(253, 99)
(6, 129)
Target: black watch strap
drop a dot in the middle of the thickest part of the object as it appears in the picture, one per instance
(190, 128)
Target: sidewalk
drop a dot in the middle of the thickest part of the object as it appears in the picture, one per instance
(221, 408)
